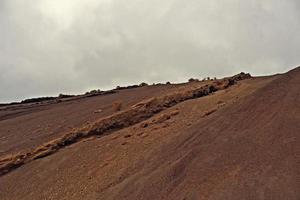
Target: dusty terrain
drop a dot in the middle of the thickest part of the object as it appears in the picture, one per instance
(187, 141)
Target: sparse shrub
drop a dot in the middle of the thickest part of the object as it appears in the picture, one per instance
(168, 83)
(39, 99)
(117, 105)
(93, 92)
(143, 84)
(193, 79)
(131, 86)
(65, 96)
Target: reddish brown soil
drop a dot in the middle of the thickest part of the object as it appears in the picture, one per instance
(26, 126)
(122, 119)
(238, 143)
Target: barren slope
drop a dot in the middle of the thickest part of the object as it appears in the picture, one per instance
(26, 126)
(238, 143)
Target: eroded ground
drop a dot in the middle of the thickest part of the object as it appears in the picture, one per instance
(237, 143)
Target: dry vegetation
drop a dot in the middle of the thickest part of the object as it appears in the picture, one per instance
(117, 106)
(137, 113)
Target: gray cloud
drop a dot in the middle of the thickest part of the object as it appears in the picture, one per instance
(70, 46)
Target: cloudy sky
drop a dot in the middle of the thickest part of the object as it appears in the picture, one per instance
(49, 47)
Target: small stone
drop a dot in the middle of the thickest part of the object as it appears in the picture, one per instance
(127, 136)
(144, 125)
(98, 111)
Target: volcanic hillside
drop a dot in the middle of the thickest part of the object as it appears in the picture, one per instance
(231, 138)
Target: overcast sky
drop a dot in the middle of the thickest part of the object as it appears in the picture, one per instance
(49, 47)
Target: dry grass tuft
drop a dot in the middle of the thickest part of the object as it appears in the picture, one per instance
(117, 106)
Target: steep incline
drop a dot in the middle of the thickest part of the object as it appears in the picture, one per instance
(237, 143)
(26, 126)
(120, 120)
(247, 151)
